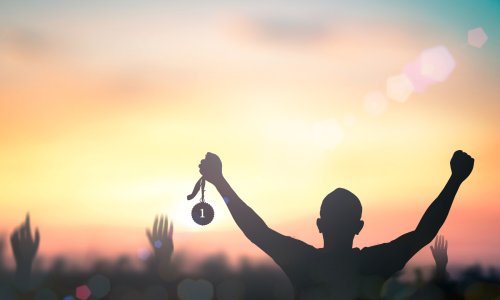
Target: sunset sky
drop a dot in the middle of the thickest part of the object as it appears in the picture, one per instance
(107, 107)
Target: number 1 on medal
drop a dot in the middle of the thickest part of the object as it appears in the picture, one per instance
(202, 216)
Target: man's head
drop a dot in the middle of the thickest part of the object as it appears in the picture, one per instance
(340, 214)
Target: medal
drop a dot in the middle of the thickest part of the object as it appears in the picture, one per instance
(202, 213)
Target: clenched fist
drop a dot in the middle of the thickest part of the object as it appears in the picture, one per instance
(461, 165)
(211, 168)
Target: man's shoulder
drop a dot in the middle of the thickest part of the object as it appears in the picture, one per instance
(381, 259)
(400, 244)
(384, 251)
(374, 249)
(290, 252)
(297, 244)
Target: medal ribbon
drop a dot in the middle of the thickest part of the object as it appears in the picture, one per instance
(199, 183)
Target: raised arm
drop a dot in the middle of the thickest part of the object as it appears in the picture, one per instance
(254, 228)
(428, 227)
(396, 254)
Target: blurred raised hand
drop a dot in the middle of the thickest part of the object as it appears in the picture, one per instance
(440, 254)
(24, 247)
(440, 251)
(161, 241)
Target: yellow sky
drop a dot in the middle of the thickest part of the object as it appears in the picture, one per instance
(101, 132)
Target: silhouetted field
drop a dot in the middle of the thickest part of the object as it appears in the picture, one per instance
(216, 279)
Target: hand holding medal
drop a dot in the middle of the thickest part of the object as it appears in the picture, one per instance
(211, 171)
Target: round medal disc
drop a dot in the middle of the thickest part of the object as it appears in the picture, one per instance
(202, 213)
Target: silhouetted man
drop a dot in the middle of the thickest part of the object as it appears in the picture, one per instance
(338, 271)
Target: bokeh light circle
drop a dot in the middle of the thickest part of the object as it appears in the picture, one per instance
(375, 103)
(399, 87)
(189, 289)
(83, 292)
(99, 286)
(477, 37)
(436, 63)
(419, 82)
(143, 253)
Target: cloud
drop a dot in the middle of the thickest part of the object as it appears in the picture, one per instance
(279, 27)
(25, 42)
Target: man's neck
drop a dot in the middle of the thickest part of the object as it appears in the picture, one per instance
(337, 244)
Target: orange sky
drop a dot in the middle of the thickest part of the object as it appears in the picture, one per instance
(103, 124)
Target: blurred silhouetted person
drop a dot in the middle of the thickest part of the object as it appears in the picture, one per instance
(161, 241)
(337, 271)
(440, 254)
(24, 248)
